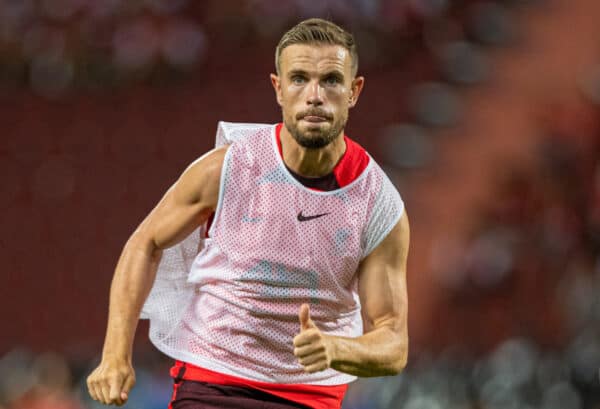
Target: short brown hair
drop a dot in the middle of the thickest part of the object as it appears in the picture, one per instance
(318, 31)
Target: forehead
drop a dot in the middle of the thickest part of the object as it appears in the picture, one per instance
(310, 57)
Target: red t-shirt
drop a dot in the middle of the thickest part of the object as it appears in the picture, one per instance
(352, 163)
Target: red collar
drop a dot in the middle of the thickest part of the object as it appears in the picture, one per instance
(352, 163)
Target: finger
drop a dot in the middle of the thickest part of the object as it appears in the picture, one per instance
(307, 337)
(319, 366)
(90, 387)
(307, 350)
(124, 397)
(95, 391)
(301, 340)
(312, 359)
(115, 386)
(304, 315)
(103, 391)
(127, 386)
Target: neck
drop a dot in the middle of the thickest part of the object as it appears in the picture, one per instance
(311, 162)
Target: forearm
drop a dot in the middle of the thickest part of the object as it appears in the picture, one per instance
(380, 352)
(131, 284)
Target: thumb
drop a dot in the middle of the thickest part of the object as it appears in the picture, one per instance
(128, 384)
(114, 387)
(304, 315)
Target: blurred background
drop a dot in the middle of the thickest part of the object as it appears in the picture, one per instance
(485, 113)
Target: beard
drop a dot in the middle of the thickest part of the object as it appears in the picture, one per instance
(315, 137)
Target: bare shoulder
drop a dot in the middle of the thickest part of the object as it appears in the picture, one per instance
(202, 178)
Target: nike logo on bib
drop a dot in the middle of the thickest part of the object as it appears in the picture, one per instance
(302, 218)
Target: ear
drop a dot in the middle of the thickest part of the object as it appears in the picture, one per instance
(277, 87)
(355, 90)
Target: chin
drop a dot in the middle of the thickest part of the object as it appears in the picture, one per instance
(321, 128)
(312, 135)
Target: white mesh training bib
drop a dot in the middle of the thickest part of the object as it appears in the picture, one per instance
(274, 244)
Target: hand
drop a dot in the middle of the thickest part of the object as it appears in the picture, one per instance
(111, 382)
(313, 349)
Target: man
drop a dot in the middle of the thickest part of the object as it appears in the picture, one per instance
(307, 242)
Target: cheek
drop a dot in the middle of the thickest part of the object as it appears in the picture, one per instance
(339, 101)
(288, 112)
(290, 96)
(338, 95)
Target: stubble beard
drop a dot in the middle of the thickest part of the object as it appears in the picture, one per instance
(315, 139)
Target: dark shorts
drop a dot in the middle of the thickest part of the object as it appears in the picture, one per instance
(201, 395)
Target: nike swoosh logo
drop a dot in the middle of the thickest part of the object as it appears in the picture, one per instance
(302, 218)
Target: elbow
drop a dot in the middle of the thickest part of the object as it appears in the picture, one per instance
(399, 359)
(398, 365)
(140, 240)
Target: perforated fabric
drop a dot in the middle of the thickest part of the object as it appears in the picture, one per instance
(274, 244)
(387, 208)
(170, 292)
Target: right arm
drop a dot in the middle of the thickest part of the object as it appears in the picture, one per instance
(185, 206)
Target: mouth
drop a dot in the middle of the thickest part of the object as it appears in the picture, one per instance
(314, 118)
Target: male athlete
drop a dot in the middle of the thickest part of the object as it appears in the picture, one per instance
(297, 285)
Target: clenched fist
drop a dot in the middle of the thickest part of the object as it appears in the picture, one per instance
(313, 349)
(111, 382)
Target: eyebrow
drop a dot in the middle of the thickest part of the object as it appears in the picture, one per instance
(297, 72)
(334, 72)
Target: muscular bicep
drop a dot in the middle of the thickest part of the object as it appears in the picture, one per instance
(382, 282)
(187, 204)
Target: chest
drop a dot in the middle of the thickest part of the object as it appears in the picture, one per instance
(280, 222)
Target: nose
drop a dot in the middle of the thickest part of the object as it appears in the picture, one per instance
(315, 94)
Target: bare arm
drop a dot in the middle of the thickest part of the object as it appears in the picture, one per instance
(185, 206)
(383, 348)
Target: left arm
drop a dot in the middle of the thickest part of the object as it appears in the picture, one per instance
(383, 348)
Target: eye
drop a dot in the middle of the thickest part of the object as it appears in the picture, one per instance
(332, 80)
(298, 79)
